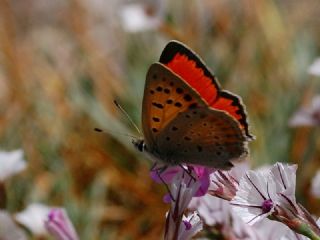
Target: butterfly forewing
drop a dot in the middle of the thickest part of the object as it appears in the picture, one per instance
(165, 95)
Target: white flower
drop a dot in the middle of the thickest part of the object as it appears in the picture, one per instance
(11, 163)
(256, 196)
(285, 175)
(8, 229)
(217, 212)
(314, 68)
(191, 226)
(138, 17)
(182, 189)
(269, 230)
(224, 184)
(307, 116)
(211, 209)
(315, 185)
(59, 225)
(33, 218)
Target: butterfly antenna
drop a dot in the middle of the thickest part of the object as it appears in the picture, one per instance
(127, 116)
(123, 134)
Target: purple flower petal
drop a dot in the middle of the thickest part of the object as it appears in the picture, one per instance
(167, 175)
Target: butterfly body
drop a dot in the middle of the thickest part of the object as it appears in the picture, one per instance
(186, 118)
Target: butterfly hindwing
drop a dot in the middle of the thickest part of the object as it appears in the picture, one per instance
(202, 136)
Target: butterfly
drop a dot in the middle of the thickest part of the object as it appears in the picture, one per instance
(186, 117)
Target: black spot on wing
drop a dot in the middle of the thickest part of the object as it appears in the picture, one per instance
(158, 105)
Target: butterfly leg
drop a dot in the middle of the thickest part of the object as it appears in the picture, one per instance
(159, 171)
(188, 171)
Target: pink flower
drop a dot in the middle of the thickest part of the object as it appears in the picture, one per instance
(226, 183)
(59, 225)
(199, 173)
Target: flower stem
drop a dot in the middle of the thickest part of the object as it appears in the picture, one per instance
(3, 196)
(307, 231)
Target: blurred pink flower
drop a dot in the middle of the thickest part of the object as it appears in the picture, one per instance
(307, 116)
(11, 163)
(314, 68)
(315, 185)
(59, 225)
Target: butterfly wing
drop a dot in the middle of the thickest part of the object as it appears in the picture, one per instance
(179, 127)
(186, 64)
(165, 96)
(203, 136)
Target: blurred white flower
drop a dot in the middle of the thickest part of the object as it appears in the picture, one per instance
(212, 210)
(314, 68)
(307, 116)
(143, 16)
(59, 225)
(216, 212)
(11, 163)
(315, 185)
(33, 218)
(269, 230)
(8, 229)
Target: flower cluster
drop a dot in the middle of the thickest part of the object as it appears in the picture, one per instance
(238, 203)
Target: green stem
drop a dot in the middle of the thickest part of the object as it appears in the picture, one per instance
(307, 231)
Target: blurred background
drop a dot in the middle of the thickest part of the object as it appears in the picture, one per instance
(62, 63)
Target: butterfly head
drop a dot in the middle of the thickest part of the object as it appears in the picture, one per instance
(139, 144)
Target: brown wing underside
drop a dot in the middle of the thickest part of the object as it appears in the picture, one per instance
(202, 136)
(179, 127)
(165, 95)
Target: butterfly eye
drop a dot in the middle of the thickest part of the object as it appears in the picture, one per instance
(139, 144)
